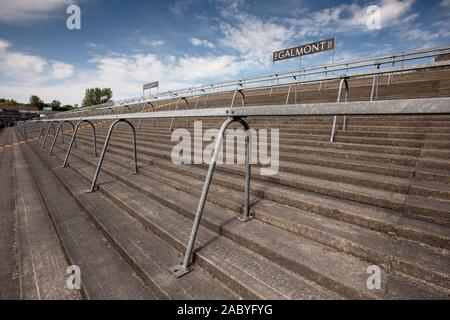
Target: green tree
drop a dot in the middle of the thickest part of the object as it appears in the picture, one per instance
(92, 96)
(36, 102)
(55, 104)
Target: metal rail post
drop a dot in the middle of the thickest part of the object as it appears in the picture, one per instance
(372, 93)
(94, 138)
(105, 147)
(288, 94)
(185, 267)
(333, 129)
(143, 109)
(40, 132)
(51, 125)
(176, 108)
(56, 135)
(234, 97)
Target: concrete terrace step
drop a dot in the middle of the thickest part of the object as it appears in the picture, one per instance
(333, 187)
(372, 217)
(247, 272)
(301, 139)
(42, 263)
(345, 174)
(107, 278)
(431, 189)
(9, 274)
(290, 153)
(188, 204)
(148, 254)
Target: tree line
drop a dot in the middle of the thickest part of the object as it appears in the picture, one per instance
(92, 96)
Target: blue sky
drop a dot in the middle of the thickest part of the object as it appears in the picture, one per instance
(123, 44)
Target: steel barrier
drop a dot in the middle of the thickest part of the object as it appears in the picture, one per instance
(94, 186)
(333, 128)
(56, 135)
(258, 81)
(94, 138)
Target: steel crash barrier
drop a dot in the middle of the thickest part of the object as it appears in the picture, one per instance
(286, 79)
(298, 76)
(239, 114)
(344, 80)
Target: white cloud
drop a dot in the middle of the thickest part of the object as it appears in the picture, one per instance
(4, 44)
(61, 70)
(22, 67)
(445, 3)
(27, 74)
(199, 42)
(19, 65)
(180, 7)
(23, 11)
(156, 43)
(254, 38)
(351, 18)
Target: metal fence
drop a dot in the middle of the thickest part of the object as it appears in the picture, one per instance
(231, 114)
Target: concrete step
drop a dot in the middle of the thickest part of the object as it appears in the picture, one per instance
(431, 189)
(249, 273)
(172, 198)
(148, 254)
(9, 273)
(276, 195)
(433, 175)
(347, 212)
(429, 207)
(42, 263)
(290, 153)
(435, 163)
(333, 187)
(83, 243)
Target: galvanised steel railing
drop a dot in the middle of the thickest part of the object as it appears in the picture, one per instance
(288, 77)
(239, 114)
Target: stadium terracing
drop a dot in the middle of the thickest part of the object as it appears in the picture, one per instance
(363, 183)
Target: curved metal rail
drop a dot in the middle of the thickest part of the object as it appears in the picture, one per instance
(94, 138)
(143, 109)
(185, 267)
(105, 147)
(176, 108)
(333, 129)
(56, 135)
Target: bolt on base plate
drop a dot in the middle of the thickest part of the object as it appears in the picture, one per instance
(179, 270)
(244, 218)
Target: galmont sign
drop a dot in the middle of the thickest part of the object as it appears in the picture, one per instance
(304, 50)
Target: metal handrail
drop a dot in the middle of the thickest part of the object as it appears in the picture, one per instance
(143, 109)
(176, 108)
(390, 107)
(340, 66)
(185, 267)
(62, 135)
(333, 129)
(94, 138)
(105, 147)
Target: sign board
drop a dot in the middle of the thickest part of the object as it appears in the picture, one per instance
(47, 109)
(306, 49)
(104, 98)
(151, 85)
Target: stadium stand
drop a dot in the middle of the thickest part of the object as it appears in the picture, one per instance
(377, 194)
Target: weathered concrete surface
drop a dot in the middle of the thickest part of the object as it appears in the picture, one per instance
(42, 261)
(9, 281)
(105, 275)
